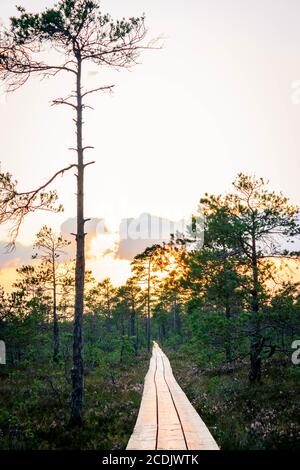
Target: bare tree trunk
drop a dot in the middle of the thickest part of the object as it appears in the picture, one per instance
(177, 322)
(228, 346)
(148, 309)
(162, 332)
(77, 369)
(256, 348)
(55, 320)
(145, 322)
(133, 326)
(132, 321)
(122, 340)
(137, 332)
(257, 342)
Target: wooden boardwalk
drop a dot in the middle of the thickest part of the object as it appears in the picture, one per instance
(166, 419)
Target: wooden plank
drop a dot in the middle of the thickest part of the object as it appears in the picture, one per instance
(197, 435)
(170, 435)
(166, 419)
(145, 431)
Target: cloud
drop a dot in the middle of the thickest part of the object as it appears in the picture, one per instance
(136, 234)
(108, 252)
(132, 236)
(91, 227)
(22, 254)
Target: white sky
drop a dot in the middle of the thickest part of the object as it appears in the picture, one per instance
(216, 100)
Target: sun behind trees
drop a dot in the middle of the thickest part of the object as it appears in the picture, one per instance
(244, 231)
(201, 308)
(80, 33)
(221, 304)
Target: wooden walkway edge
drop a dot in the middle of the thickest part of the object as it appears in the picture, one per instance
(166, 419)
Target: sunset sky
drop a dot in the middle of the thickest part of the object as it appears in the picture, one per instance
(220, 97)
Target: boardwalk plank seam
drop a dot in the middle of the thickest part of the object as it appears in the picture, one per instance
(179, 419)
(155, 384)
(166, 419)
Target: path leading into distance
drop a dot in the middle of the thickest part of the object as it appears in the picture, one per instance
(166, 419)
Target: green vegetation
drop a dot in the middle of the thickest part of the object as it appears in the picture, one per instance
(34, 405)
(224, 311)
(80, 34)
(263, 416)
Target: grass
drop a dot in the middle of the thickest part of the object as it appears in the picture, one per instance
(240, 416)
(34, 405)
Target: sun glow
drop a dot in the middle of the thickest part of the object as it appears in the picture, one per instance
(103, 244)
(102, 260)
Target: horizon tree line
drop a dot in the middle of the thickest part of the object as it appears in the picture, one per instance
(80, 33)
